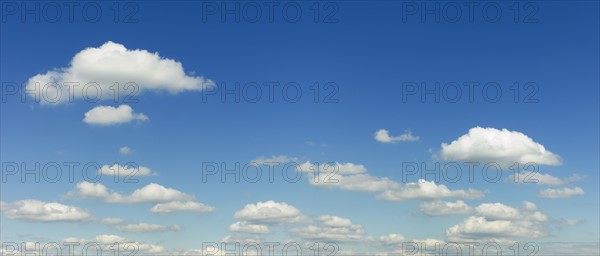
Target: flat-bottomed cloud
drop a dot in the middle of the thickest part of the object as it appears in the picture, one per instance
(383, 136)
(96, 70)
(107, 115)
(501, 146)
(39, 211)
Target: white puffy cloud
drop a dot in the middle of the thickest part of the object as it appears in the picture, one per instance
(335, 221)
(346, 176)
(104, 239)
(360, 182)
(126, 171)
(500, 223)
(91, 190)
(561, 192)
(542, 179)
(383, 136)
(354, 177)
(392, 239)
(343, 234)
(125, 150)
(502, 231)
(497, 211)
(332, 228)
(34, 210)
(246, 227)
(439, 208)
(96, 70)
(501, 146)
(107, 115)
(269, 212)
(178, 206)
(146, 227)
(151, 193)
(423, 189)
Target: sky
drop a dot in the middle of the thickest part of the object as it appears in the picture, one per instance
(300, 128)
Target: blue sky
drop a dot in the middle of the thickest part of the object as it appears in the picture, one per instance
(365, 124)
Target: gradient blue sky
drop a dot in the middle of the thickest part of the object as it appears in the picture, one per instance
(369, 53)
